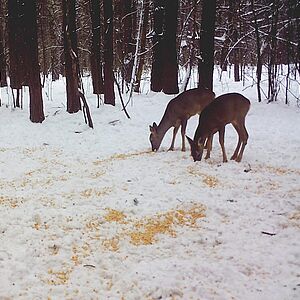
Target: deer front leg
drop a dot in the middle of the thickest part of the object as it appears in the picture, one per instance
(208, 146)
(221, 140)
(173, 139)
(183, 128)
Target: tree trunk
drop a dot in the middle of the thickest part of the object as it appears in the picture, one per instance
(17, 72)
(71, 56)
(272, 66)
(170, 67)
(140, 12)
(95, 57)
(206, 62)
(23, 46)
(109, 93)
(3, 74)
(233, 11)
(128, 42)
(143, 48)
(157, 59)
(258, 52)
(35, 88)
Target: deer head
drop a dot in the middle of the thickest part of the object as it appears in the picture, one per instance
(154, 138)
(196, 148)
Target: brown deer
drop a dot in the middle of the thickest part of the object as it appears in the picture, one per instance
(178, 111)
(228, 108)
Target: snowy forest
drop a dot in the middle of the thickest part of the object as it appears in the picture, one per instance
(123, 42)
(99, 199)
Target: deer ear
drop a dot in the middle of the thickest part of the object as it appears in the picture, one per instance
(154, 125)
(191, 142)
(152, 130)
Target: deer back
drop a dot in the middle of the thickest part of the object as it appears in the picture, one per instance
(225, 109)
(188, 104)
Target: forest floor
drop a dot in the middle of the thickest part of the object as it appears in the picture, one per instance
(94, 214)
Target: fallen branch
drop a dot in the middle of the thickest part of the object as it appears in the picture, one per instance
(268, 233)
(91, 266)
(86, 110)
(120, 94)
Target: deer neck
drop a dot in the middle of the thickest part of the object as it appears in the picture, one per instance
(163, 127)
(201, 133)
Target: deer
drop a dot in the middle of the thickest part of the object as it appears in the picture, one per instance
(177, 113)
(226, 109)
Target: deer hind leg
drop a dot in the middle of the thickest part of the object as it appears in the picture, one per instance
(173, 139)
(221, 141)
(236, 151)
(244, 143)
(208, 146)
(183, 128)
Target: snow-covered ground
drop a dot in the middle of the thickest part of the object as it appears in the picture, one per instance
(94, 214)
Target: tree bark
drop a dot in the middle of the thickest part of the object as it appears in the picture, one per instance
(35, 88)
(3, 75)
(128, 42)
(143, 48)
(258, 52)
(206, 62)
(71, 56)
(23, 46)
(272, 66)
(157, 58)
(170, 66)
(95, 57)
(233, 11)
(109, 93)
(17, 72)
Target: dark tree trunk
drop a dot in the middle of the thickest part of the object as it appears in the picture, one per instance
(43, 36)
(23, 46)
(157, 59)
(71, 56)
(3, 74)
(109, 93)
(15, 42)
(192, 48)
(233, 11)
(35, 89)
(170, 67)
(258, 52)
(206, 63)
(128, 42)
(272, 66)
(56, 53)
(95, 57)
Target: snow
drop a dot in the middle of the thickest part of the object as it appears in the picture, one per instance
(94, 214)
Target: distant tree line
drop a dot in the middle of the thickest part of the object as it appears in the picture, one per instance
(121, 42)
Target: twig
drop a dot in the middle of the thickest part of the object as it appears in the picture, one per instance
(86, 110)
(91, 266)
(268, 233)
(121, 98)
